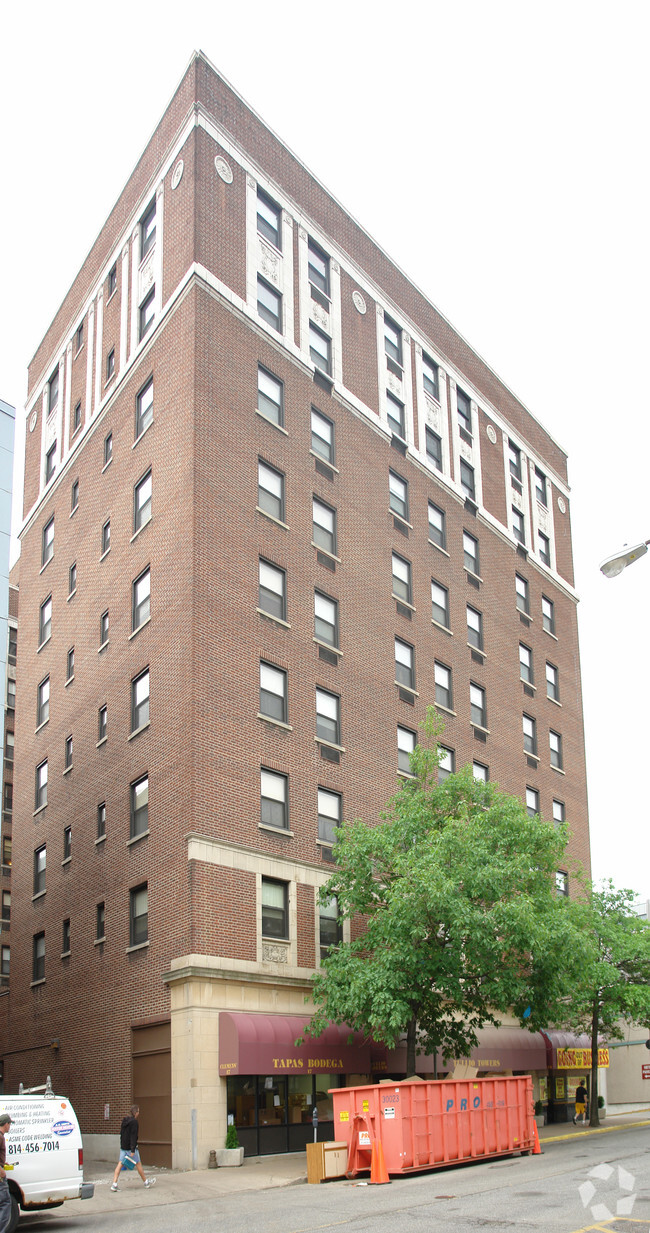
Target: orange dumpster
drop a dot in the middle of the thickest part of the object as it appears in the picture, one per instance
(430, 1124)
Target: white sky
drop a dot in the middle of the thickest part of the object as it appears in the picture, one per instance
(497, 151)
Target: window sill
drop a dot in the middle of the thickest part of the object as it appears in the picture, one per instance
(106, 465)
(137, 631)
(329, 646)
(137, 731)
(409, 688)
(40, 727)
(447, 709)
(38, 895)
(43, 643)
(65, 954)
(45, 564)
(528, 684)
(102, 839)
(69, 680)
(140, 946)
(324, 843)
(68, 769)
(445, 628)
(39, 810)
(268, 616)
(329, 744)
(278, 521)
(79, 350)
(66, 860)
(551, 635)
(275, 830)
(266, 937)
(267, 420)
(73, 512)
(479, 649)
(139, 530)
(319, 458)
(555, 701)
(104, 554)
(558, 770)
(109, 380)
(103, 646)
(274, 723)
(101, 742)
(326, 552)
(440, 548)
(400, 518)
(406, 602)
(99, 941)
(470, 574)
(137, 838)
(405, 774)
(71, 595)
(531, 755)
(144, 430)
(34, 983)
(480, 728)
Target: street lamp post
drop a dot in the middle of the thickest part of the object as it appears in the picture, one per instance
(615, 564)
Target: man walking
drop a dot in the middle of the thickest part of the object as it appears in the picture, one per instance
(129, 1131)
(5, 1197)
(581, 1103)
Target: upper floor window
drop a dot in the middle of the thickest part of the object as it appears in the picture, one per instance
(273, 693)
(43, 702)
(559, 813)
(467, 481)
(101, 820)
(142, 502)
(395, 415)
(398, 495)
(108, 446)
(79, 337)
(40, 861)
(525, 663)
(480, 772)
(437, 525)
(562, 883)
(544, 547)
(274, 792)
(477, 705)
(141, 600)
(269, 304)
(67, 758)
(270, 490)
(272, 592)
(406, 742)
(67, 843)
(402, 586)
(140, 701)
(143, 411)
(529, 725)
(146, 314)
(45, 621)
(326, 619)
(330, 813)
(53, 391)
(555, 745)
(328, 717)
(275, 908)
(76, 422)
(322, 435)
(106, 537)
(139, 915)
(439, 604)
(518, 525)
(139, 807)
(522, 594)
(148, 230)
(392, 340)
(514, 460)
(552, 682)
(41, 785)
(447, 764)
(434, 447)
(404, 664)
(270, 396)
(470, 553)
(324, 526)
(38, 957)
(474, 628)
(269, 219)
(532, 802)
(112, 280)
(548, 615)
(12, 644)
(47, 545)
(110, 364)
(464, 411)
(50, 462)
(319, 269)
(443, 691)
(320, 349)
(540, 486)
(330, 929)
(430, 377)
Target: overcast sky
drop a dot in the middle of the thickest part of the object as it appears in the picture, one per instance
(497, 151)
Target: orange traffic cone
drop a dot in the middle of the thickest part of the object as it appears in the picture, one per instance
(537, 1151)
(378, 1171)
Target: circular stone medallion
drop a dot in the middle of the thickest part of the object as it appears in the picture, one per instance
(359, 302)
(178, 173)
(32, 420)
(224, 170)
(491, 432)
(561, 504)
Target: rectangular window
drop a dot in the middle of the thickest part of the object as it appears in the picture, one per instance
(398, 495)
(548, 615)
(540, 486)
(318, 269)
(477, 705)
(464, 411)
(434, 448)
(559, 815)
(270, 396)
(322, 435)
(40, 862)
(330, 813)
(43, 702)
(532, 802)
(437, 526)
(143, 409)
(50, 462)
(552, 682)
(324, 526)
(67, 843)
(326, 619)
(270, 490)
(272, 592)
(6, 906)
(6, 851)
(147, 314)
(402, 585)
(530, 735)
(106, 537)
(108, 448)
(8, 800)
(102, 723)
(38, 957)
(142, 494)
(562, 883)
(103, 628)
(141, 603)
(328, 717)
(74, 496)
(101, 820)
(475, 628)
(404, 664)
(112, 281)
(274, 792)
(139, 807)
(392, 340)
(53, 391)
(9, 747)
(430, 377)
(518, 525)
(148, 230)
(320, 349)
(70, 664)
(5, 963)
(76, 422)
(467, 480)
(12, 646)
(439, 604)
(406, 742)
(110, 364)
(67, 757)
(480, 772)
(395, 415)
(526, 664)
(269, 219)
(45, 621)
(47, 546)
(275, 908)
(442, 676)
(11, 694)
(100, 922)
(447, 764)
(139, 915)
(140, 701)
(273, 693)
(514, 459)
(330, 929)
(269, 304)
(79, 337)
(555, 746)
(72, 579)
(544, 547)
(522, 594)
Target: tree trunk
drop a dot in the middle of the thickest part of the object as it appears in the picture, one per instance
(593, 1093)
(410, 1046)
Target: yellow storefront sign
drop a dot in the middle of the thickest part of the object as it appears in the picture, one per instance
(580, 1059)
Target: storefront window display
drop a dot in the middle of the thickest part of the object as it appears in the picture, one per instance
(273, 1113)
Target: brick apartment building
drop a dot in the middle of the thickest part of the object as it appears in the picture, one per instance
(274, 507)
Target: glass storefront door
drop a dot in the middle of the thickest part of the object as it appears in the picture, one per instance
(273, 1113)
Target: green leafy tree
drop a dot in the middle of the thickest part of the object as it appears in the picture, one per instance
(460, 920)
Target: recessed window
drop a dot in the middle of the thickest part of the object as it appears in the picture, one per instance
(474, 628)
(53, 391)
(106, 537)
(140, 701)
(112, 281)
(562, 883)
(395, 415)
(74, 496)
(439, 604)
(38, 957)
(322, 435)
(437, 526)
(477, 705)
(143, 409)
(467, 482)
(555, 746)
(548, 615)
(442, 676)
(526, 664)
(392, 340)
(47, 546)
(110, 364)
(50, 462)
(6, 906)
(522, 594)
(402, 584)
(398, 495)
(514, 460)
(272, 597)
(147, 314)
(518, 525)
(430, 377)
(148, 230)
(142, 502)
(406, 742)
(139, 915)
(275, 909)
(139, 807)
(67, 756)
(326, 619)
(434, 448)
(544, 547)
(79, 337)
(11, 694)
(559, 814)
(44, 621)
(108, 448)
(330, 929)
(76, 421)
(330, 812)
(552, 682)
(103, 628)
(70, 664)
(273, 692)
(72, 579)
(100, 922)
(9, 747)
(270, 396)
(480, 772)
(270, 490)
(274, 792)
(470, 553)
(447, 764)
(532, 802)
(40, 861)
(320, 349)
(324, 526)
(540, 486)
(328, 717)
(529, 726)
(318, 269)
(101, 820)
(12, 647)
(43, 702)
(269, 304)
(464, 411)
(404, 664)
(141, 595)
(269, 219)
(102, 723)
(67, 843)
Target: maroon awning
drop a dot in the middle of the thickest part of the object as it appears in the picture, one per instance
(565, 1040)
(499, 1049)
(264, 1045)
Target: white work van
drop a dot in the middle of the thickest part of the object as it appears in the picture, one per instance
(44, 1152)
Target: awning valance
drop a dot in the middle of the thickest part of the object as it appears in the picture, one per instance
(566, 1051)
(498, 1050)
(264, 1045)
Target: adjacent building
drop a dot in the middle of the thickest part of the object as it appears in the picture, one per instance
(274, 507)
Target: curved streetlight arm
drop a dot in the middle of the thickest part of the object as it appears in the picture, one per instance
(615, 564)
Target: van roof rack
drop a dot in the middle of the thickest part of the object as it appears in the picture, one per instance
(45, 1088)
